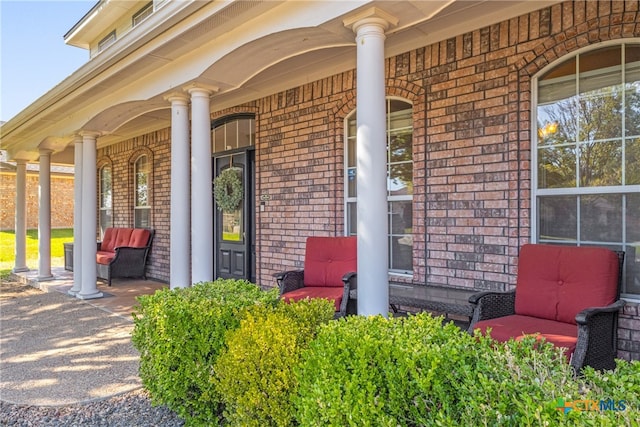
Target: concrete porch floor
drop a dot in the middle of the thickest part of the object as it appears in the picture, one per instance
(119, 298)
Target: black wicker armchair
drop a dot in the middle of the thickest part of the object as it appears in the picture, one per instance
(567, 295)
(123, 253)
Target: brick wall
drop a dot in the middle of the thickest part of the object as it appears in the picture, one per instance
(121, 156)
(61, 200)
(471, 98)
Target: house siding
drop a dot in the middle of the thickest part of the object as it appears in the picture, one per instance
(471, 98)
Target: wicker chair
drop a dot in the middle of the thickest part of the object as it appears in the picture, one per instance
(567, 295)
(329, 272)
(123, 253)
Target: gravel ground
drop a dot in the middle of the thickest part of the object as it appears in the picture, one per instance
(126, 410)
(131, 408)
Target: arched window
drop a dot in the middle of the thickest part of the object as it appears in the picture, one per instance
(586, 155)
(142, 201)
(399, 183)
(233, 132)
(106, 199)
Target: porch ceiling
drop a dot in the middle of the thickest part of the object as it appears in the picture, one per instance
(246, 49)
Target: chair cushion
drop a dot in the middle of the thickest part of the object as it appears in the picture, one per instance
(557, 282)
(105, 257)
(139, 238)
(123, 237)
(109, 240)
(560, 334)
(331, 293)
(327, 259)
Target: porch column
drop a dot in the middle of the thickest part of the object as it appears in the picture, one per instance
(77, 216)
(179, 275)
(373, 245)
(201, 197)
(21, 217)
(44, 216)
(88, 286)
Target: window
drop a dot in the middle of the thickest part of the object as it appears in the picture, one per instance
(106, 199)
(107, 41)
(399, 183)
(142, 207)
(233, 132)
(586, 155)
(142, 14)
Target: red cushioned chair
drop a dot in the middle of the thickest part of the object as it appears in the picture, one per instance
(568, 295)
(330, 265)
(123, 253)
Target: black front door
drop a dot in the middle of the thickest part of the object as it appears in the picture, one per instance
(234, 229)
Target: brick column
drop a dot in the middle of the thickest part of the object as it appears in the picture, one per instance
(44, 216)
(21, 217)
(180, 275)
(373, 245)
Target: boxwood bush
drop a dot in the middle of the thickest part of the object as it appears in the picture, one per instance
(414, 372)
(180, 334)
(255, 371)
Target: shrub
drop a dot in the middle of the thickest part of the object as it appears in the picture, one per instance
(180, 334)
(412, 372)
(255, 372)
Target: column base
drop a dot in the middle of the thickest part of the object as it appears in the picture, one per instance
(45, 278)
(20, 269)
(72, 292)
(89, 296)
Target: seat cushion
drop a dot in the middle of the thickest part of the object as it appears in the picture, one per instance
(105, 257)
(557, 282)
(331, 293)
(328, 259)
(517, 326)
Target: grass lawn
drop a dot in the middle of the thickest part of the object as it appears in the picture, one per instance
(8, 244)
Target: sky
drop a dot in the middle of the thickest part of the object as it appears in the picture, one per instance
(33, 55)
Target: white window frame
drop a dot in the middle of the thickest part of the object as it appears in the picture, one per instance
(142, 14)
(576, 191)
(107, 41)
(137, 207)
(390, 198)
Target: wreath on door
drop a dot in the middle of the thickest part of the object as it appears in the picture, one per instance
(227, 190)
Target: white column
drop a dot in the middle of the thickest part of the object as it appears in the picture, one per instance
(44, 216)
(77, 216)
(201, 197)
(88, 287)
(21, 217)
(373, 245)
(179, 260)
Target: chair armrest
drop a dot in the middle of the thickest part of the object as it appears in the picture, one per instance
(290, 280)
(587, 314)
(489, 305)
(351, 278)
(597, 337)
(98, 245)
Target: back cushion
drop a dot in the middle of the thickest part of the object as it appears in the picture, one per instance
(327, 259)
(557, 282)
(139, 238)
(123, 237)
(109, 240)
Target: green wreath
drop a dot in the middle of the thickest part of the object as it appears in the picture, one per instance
(227, 190)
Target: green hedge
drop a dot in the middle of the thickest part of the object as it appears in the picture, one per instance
(228, 353)
(414, 372)
(255, 372)
(180, 334)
